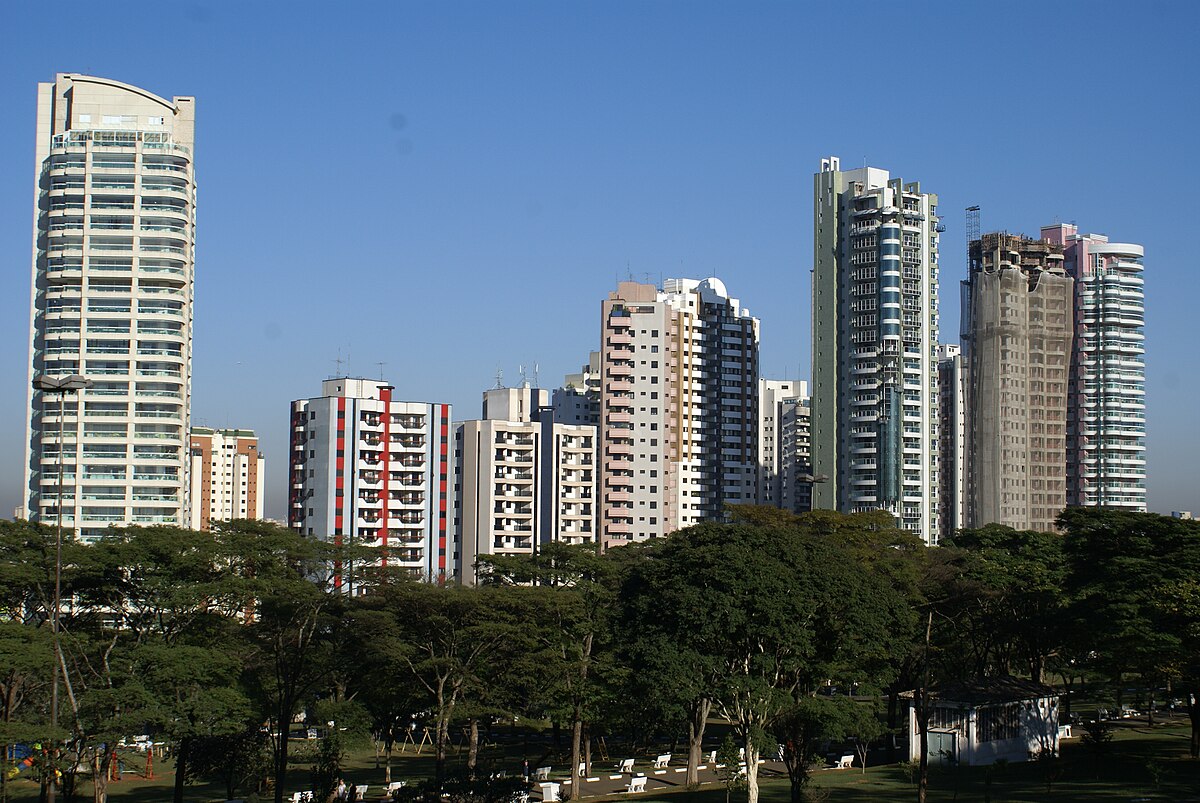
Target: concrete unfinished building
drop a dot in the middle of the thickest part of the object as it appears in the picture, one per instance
(1017, 330)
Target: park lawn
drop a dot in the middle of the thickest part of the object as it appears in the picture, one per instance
(1124, 776)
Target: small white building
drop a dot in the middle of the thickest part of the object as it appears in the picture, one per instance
(983, 721)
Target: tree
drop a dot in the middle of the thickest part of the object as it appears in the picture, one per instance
(292, 620)
(571, 596)
(444, 637)
(196, 696)
(1128, 574)
(777, 610)
(1020, 604)
(727, 767)
(814, 720)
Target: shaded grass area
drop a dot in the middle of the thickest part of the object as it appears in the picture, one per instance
(1144, 763)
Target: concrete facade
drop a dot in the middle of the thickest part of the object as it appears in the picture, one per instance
(370, 470)
(111, 299)
(227, 474)
(1017, 337)
(952, 444)
(522, 480)
(783, 442)
(875, 333)
(578, 400)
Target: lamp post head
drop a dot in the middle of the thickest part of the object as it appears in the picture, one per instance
(60, 384)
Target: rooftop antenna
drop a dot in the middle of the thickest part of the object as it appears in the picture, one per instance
(499, 377)
(348, 369)
(535, 374)
(338, 364)
(524, 379)
(381, 363)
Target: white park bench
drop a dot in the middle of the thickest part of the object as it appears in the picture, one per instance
(625, 765)
(845, 762)
(581, 770)
(392, 787)
(637, 784)
(542, 773)
(360, 791)
(712, 756)
(662, 761)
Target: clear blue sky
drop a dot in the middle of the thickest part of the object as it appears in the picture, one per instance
(451, 188)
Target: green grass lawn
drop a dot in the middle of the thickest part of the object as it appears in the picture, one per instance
(1139, 755)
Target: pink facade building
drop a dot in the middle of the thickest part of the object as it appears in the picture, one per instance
(1106, 423)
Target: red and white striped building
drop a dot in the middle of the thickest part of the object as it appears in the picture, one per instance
(369, 470)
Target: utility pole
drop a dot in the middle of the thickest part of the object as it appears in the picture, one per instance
(59, 387)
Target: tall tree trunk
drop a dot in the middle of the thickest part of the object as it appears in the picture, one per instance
(100, 777)
(751, 770)
(473, 749)
(576, 752)
(281, 752)
(181, 757)
(1068, 685)
(697, 719)
(443, 738)
(587, 751)
(387, 760)
(922, 711)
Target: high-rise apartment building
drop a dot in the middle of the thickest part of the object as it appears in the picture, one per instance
(796, 475)
(112, 281)
(1017, 338)
(227, 472)
(952, 439)
(678, 407)
(783, 445)
(875, 332)
(370, 470)
(1106, 417)
(522, 480)
(578, 400)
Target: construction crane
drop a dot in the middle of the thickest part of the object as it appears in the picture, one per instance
(972, 228)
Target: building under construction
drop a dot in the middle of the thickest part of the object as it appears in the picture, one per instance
(1017, 330)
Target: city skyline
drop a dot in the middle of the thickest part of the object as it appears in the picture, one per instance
(694, 167)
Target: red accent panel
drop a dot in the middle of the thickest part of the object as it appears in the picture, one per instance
(385, 395)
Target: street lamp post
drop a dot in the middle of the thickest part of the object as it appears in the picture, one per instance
(58, 386)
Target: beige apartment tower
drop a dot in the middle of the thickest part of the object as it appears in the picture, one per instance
(1017, 335)
(112, 282)
(226, 475)
(523, 480)
(678, 407)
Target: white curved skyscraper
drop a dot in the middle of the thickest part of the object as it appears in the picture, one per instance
(114, 233)
(1106, 435)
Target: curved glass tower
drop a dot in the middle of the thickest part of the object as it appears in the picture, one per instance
(114, 235)
(1106, 436)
